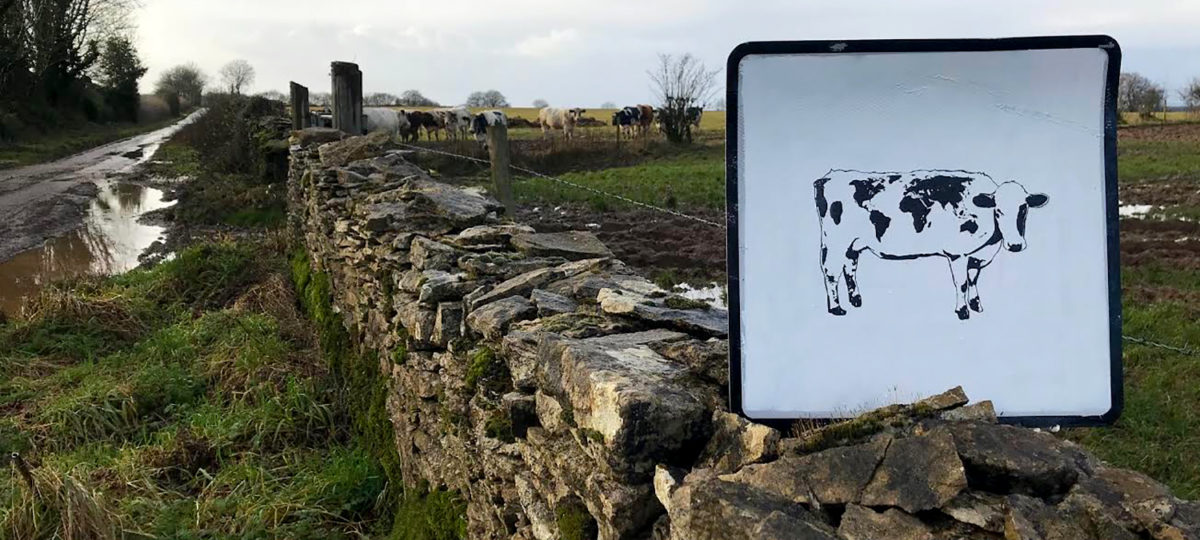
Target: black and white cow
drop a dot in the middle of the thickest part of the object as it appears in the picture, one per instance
(964, 217)
(628, 118)
(481, 121)
(694, 114)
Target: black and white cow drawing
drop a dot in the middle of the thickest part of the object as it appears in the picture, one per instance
(964, 217)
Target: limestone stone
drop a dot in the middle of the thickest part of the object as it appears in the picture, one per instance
(833, 476)
(712, 322)
(549, 303)
(503, 264)
(707, 508)
(448, 321)
(426, 254)
(520, 351)
(737, 442)
(983, 411)
(522, 412)
(1009, 459)
(666, 481)
(572, 245)
(338, 153)
(550, 413)
(950, 399)
(439, 286)
(520, 285)
(490, 234)
(492, 320)
(917, 473)
(315, 135)
(708, 359)
(859, 523)
(979, 509)
(419, 321)
(641, 405)
(1029, 518)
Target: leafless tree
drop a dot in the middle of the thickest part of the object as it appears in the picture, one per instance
(540, 103)
(320, 98)
(381, 99)
(1191, 95)
(490, 98)
(681, 83)
(414, 98)
(236, 75)
(608, 105)
(1136, 93)
(274, 95)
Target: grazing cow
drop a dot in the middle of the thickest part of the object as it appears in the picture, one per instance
(481, 121)
(627, 118)
(964, 217)
(422, 120)
(550, 118)
(390, 121)
(456, 121)
(645, 119)
(693, 117)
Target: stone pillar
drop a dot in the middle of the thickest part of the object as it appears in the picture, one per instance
(347, 97)
(299, 95)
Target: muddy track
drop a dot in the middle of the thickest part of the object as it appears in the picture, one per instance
(48, 199)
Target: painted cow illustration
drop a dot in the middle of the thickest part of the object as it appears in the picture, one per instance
(964, 217)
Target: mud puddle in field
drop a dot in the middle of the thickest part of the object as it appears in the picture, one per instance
(110, 241)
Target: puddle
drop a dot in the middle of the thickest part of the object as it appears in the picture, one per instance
(109, 242)
(713, 294)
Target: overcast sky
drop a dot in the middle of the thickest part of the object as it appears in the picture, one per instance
(585, 53)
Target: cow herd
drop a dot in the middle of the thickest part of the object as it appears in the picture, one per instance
(457, 122)
(636, 120)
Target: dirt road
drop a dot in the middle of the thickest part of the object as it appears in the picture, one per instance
(49, 199)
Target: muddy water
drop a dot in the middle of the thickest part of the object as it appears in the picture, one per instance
(109, 242)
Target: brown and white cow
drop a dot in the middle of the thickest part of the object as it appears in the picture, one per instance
(964, 217)
(551, 118)
(645, 119)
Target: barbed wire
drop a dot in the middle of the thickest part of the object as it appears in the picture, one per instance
(1180, 349)
(574, 185)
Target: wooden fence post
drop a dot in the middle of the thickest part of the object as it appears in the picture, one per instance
(299, 105)
(498, 152)
(347, 97)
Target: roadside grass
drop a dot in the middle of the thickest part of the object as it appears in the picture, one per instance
(203, 411)
(60, 144)
(692, 179)
(1148, 160)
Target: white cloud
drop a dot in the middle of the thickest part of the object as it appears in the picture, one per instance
(557, 42)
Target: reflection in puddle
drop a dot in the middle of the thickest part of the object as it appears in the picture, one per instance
(109, 242)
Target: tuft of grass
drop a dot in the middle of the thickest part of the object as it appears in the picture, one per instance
(430, 515)
(499, 426)
(574, 521)
(679, 302)
(1141, 161)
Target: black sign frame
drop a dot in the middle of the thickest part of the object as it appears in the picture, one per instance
(1102, 42)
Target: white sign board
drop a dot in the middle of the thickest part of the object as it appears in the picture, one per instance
(910, 216)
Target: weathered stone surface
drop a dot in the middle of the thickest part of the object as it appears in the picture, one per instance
(1008, 459)
(492, 320)
(419, 322)
(707, 508)
(712, 322)
(917, 473)
(551, 414)
(572, 245)
(439, 286)
(707, 359)
(639, 403)
(338, 153)
(310, 136)
(521, 285)
(666, 481)
(1133, 501)
(975, 412)
(950, 399)
(1031, 519)
(448, 322)
(520, 350)
(737, 442)
(859, 523)
(490, 234)
(549, 303)
(833, 476)
(426, 254)
(978, 509)
(503, 264)
(462, 207)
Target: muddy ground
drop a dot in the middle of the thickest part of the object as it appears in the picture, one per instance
(49, 199)
(1163, 132)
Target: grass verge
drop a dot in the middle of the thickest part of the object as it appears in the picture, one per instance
(60, 144)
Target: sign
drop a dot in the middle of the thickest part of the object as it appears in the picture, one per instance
(909, 216)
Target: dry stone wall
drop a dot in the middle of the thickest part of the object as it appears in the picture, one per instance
(565, 396)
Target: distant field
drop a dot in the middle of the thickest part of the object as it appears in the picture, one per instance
(1134, 119)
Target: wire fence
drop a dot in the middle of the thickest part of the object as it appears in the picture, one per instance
(1185, 350)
